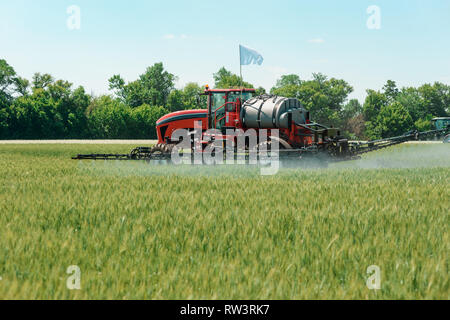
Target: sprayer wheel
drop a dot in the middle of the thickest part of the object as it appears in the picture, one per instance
(162, 149)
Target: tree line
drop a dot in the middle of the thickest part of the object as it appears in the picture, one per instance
(46, 108)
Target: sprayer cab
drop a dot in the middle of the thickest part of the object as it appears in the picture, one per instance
(224, 107)
(441, 123)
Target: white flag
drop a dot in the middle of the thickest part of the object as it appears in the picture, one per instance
(250, 56)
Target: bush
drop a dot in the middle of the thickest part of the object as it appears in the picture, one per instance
(424, 124)
(108, 118)
(393, 120)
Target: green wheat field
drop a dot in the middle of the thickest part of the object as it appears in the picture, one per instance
(141, 231)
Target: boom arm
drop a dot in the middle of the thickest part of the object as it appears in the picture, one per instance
(336, 149)
(358, 148)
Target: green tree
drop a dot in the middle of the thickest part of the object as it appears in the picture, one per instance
(192, 98)
(373, 104)
(41, 81)
(288, 80)
(392, 120)
(391, 91)
(350, 119)
(4, 123)
(117, 85)
(412, 100)
(76, 115)
(288, 86)
(424, 124)
(175, 102)
(52, 110)
(144, 121)
(352, 108)
(186, 98)
(153, 87)
(436, 98)
(7, 79)
(288, 91)
(32, 117)
(324, 97)
(225, 79)
(107, 118)
(137, 94)
(260, 91)
(110, 118)
(355, 127)
(157, 84)
(22, 86)
(425, 102)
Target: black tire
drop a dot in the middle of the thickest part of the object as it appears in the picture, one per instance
(140, 153)
(161, 151)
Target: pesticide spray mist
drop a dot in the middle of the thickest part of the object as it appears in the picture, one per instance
(405, 156)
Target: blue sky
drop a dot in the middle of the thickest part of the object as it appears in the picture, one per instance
(195, 38)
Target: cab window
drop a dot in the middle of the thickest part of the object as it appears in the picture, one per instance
(234, 96)
(218, 100)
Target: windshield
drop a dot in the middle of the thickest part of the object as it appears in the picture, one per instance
(442, 123)
(233, 96)
(218, 100)
(219, 109)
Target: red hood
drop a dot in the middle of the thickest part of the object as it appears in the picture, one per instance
(186, 113)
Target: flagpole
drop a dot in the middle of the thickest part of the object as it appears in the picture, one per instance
(240, 64)
(240, 71)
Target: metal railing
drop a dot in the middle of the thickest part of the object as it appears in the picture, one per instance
(223, 106)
